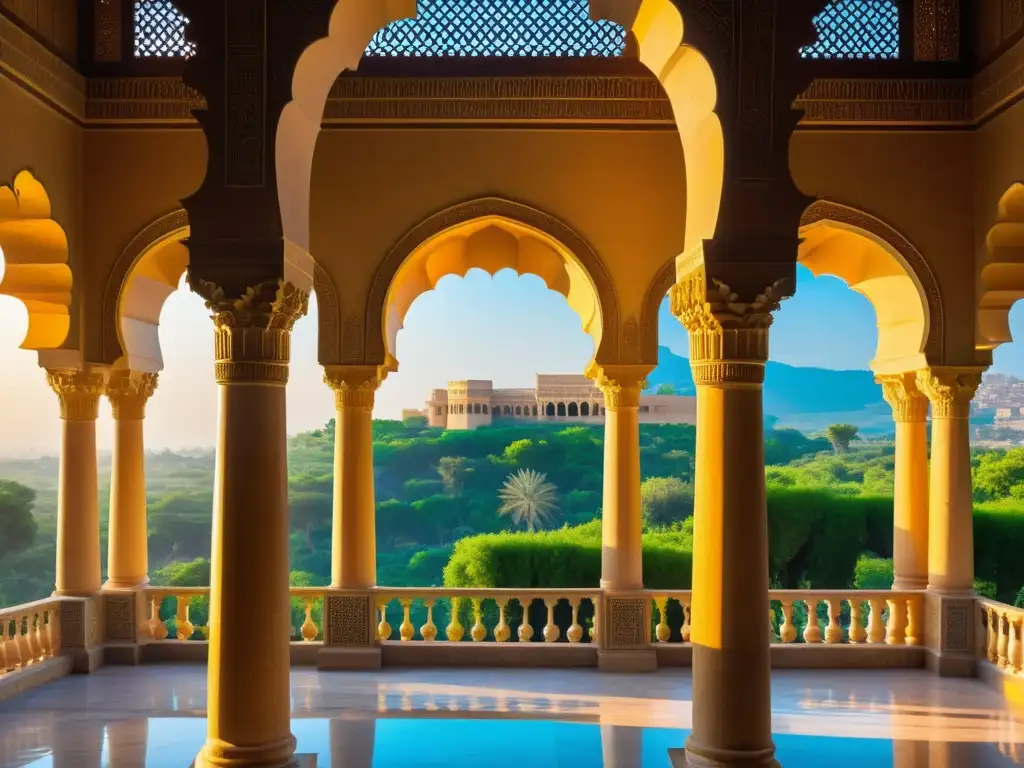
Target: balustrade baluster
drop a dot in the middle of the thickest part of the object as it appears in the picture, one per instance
(684, 631)
(915, 626)
(525, 629)
(992, 634)
(35, 647)
(454, 631)
(478, 632)
(1004, 641)
(429, 630)
(662, 631)
(876, 628)
(309, 629)
(551, 631)
(46, 637)
(787, 632)
(183, 626)
(406, 631)
(502, 631)
(155, 628)
(857, 632)
(575, 633)
(597, 612)
(383, 628)
(834, 632)
(812, 632)
(24, 628)
(1013, 653)
(895, 632)
(4, 664)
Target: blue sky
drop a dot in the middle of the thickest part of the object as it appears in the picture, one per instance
(506, 328)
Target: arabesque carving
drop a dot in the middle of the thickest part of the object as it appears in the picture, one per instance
(252, 342)
(79, 393)
(950, 390)
(901, 392)
(129, 392)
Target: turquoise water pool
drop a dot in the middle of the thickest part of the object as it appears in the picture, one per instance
(495, 743)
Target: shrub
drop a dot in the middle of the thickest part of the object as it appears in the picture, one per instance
(873, 573)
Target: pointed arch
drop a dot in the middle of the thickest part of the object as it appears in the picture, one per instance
(149, 270)
(1001, 281)
(36, 257)
(880, 263)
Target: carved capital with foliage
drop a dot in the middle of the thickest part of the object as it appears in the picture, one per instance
(79, 392)
(253, 332)
(901, 392)
(129, 392)
(354, 385)
(950, 390)
(728, 337)
(622, 385)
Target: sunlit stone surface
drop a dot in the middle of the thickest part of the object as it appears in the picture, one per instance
(154, 716)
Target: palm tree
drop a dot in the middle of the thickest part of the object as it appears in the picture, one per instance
(528, 498)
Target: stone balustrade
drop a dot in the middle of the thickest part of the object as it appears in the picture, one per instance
(1000, 637)
(29, 635)
(494, 616)
(841, 617)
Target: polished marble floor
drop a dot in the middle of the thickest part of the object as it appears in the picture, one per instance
(152, 716)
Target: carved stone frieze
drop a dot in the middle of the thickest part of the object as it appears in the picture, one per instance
(79, 393)
(129, 392)
(908, 402)
(950, 390)
(252, 341)
(141, 99)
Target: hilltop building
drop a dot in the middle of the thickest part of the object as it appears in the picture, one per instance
(557, 397)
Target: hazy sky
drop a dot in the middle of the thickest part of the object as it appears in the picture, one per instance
(506, 328)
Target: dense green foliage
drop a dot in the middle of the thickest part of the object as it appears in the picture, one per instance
(439, 496)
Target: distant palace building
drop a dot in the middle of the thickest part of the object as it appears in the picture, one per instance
(569, 398)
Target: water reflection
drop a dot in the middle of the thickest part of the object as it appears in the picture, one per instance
(372, 741)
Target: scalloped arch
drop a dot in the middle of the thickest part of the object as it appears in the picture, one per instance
(491, 234)
(877, 261)
(37, 272)
(1001, 280)
(149, 270)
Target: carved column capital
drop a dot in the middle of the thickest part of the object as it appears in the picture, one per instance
(728, 337)
(78, 392)
(622, 385)
(950, 390)
(129, 392)
(354, 385)
(904, 396)
(253, 332)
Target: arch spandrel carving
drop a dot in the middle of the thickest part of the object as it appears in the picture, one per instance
(173, 227)
(913, 262)
(374, 333)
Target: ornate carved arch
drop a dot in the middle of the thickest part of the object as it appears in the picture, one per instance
(174, 227)
(372, 336)
(656, 292)
(913, 261)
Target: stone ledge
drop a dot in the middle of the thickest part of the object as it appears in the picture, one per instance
(16, 683)
(804, 656)
(561, 655)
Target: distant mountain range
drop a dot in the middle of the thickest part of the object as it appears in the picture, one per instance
(804, 398)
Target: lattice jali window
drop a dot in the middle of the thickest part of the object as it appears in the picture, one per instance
(857, 29)
(500, 28)
(160, 30)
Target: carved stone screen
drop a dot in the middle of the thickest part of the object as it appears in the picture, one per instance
(857, 29)
(160, 30)
(500, 28)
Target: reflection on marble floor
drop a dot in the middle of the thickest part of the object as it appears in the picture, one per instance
(152, 716)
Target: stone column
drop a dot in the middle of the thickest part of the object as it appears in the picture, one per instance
(729, 608)
(910, 496)
(127, 538)
(624, 623)
(248, 710)
(354, 542)
(78, 518)
(950, 520)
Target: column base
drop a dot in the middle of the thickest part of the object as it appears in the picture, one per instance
(306, 760)
(692, 756)
(329, 659)
(125, 586)
(946, 664)
(640, 660)
(85, 661)
(281, 754)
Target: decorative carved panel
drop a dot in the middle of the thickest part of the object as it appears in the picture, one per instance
(245, 82)
(957, 636)
(72, 624)
(120, 617)
(936, 30)
(348, 621)
(499, 28)
(626, 623)
(107, 20)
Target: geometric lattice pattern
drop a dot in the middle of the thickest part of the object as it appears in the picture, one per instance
(857, 29)
(448, 28)
(160, 30)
